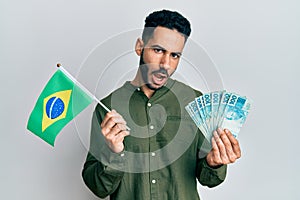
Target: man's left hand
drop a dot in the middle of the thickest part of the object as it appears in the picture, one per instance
(225, 148)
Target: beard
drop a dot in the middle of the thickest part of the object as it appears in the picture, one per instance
(145, 71)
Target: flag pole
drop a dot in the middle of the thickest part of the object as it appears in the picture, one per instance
(83, 88)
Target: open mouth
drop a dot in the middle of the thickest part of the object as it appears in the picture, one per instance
(160, 75)
(159, 78)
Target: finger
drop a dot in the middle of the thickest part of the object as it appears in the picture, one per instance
(107, 128)
(117, 118)
(216, 152)
(111, 119)
(213, 157)
(221, 146)
(118, 128)
(110, 133)
(214, 144)
(121, 127)
(107, 117)
(228, 146)
(115, 141)
(234, 143)
(120, 137)
(113, 128)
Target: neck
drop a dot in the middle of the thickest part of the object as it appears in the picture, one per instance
(139, 82)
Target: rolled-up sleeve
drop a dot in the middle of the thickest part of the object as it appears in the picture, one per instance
(208, 176)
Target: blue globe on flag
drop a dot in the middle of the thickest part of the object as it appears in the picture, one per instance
(54, 107)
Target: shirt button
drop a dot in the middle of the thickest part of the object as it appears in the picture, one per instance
(151, 127)
(153, 154)
(153, 181)
(149, 104)
(138, 89)
(122, 154)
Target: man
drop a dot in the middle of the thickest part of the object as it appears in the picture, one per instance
(158, 158)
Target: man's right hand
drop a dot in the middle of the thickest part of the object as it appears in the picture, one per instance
(114, 130)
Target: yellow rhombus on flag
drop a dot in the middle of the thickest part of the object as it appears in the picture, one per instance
(60, 101)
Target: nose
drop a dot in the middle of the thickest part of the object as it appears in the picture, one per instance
(165, 61)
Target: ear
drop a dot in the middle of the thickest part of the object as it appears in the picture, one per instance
(139, 45)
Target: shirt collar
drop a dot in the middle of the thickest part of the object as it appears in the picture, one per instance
(166, 87)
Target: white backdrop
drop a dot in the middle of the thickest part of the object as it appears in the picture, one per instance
(254, 44)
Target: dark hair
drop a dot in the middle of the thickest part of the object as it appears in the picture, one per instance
(168, 19)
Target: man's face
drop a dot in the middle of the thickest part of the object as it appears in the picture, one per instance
(160, 56)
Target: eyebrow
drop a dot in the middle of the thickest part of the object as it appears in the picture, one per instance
(160, 47)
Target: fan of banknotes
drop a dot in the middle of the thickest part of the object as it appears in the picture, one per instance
(219, 109)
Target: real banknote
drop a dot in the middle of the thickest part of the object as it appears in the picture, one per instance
(223, 103)
(235, 113)
(193, 111)
(200, 105)
(207, 108)
(215, 102)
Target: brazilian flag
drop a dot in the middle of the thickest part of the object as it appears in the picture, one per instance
(60, 101)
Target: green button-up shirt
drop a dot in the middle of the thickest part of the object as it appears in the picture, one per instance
(162, 157)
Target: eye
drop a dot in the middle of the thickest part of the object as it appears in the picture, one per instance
(175, 55)
(158, 50)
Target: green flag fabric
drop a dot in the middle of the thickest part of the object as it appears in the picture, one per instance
(60, 101)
